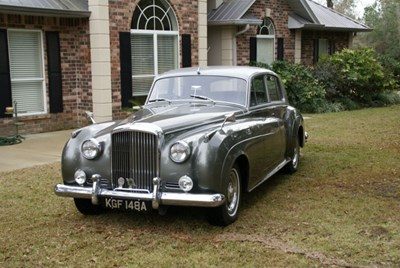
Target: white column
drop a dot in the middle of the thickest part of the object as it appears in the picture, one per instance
(297, 47)
(101, 60)
(202, 32)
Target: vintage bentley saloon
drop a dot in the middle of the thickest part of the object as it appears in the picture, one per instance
(203, 138)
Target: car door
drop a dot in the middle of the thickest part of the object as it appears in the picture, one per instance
(264, 151)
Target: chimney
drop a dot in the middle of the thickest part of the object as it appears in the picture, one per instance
(329, 3)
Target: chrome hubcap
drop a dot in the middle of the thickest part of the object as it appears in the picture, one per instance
(233, 191)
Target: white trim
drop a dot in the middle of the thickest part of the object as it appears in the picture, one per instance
(42, 79)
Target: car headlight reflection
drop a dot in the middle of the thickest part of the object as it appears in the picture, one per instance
(179, 152)
(91, 149)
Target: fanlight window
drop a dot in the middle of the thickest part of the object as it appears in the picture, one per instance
(154, 15)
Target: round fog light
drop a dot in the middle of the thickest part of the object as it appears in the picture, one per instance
(185, 183)
(80, 177)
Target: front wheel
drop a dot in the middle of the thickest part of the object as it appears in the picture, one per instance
(228, 212)
(292, 166)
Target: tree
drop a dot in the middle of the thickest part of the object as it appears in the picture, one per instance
(384, 17)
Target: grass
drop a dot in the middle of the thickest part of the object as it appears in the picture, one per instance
(340, 209)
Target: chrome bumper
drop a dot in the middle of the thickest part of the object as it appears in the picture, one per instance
(156, 197)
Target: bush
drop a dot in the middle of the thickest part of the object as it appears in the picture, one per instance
(391, 69)
(354, 74)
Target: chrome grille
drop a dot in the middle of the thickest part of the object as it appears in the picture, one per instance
(135, 156)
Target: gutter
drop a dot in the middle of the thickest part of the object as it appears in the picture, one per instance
(31, 11)
(246, 28)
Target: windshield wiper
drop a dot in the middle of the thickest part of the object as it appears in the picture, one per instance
(201, 97)
(157, 100)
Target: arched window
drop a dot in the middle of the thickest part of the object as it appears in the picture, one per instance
(266, 42)
(154, 43)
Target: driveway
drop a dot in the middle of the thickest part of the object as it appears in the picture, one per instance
(36, 149)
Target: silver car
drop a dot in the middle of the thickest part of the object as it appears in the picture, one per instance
(203, 138)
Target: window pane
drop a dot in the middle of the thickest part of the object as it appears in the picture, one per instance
(273, 90)
(323, 47)
(141, 85)
(29, 96)
(258, 92)
(26, 68)
(265, 50)
(25, 55)
(142, 54)
(167, 53)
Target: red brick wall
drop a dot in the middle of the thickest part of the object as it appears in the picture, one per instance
(121, 12)
(75, 67)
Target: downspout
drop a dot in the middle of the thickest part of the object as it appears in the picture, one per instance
(246, 28)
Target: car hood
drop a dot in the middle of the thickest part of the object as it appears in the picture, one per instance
(177, 117)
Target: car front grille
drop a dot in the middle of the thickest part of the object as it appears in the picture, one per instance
(135, 158)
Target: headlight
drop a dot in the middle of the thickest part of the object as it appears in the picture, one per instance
(179, 152)
(185, 183)
(91, 148)
(80, 177)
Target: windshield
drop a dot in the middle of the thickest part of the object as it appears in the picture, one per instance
(211, 88)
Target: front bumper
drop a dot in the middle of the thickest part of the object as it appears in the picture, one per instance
(157, 198)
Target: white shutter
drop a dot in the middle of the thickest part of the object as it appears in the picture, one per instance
(26, 68)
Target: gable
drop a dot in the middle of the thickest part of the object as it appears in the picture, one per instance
(311, 15)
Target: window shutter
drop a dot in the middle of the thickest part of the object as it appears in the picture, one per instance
(281, 49)
(186, 51)
(253, 49)
(5, 83)
(316, 51)
(126, 68)
(332, 47)
(54, 72)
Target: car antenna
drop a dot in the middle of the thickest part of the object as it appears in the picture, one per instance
(198, 70)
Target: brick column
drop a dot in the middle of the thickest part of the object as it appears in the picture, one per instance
(202, 32)
(101, 61)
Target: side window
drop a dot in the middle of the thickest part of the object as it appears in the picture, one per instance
(273, 89)
(258, 91)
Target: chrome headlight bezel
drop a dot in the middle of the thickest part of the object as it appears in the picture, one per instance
(179, 152)
(91, 149)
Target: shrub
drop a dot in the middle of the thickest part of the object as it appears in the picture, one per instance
(391, 69)
(355, 74)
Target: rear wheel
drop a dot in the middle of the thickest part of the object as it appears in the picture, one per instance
(86, 207)
(228, 212)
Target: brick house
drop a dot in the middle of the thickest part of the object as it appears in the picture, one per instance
(60, 58)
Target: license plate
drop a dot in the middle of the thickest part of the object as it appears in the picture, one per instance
(124, 204)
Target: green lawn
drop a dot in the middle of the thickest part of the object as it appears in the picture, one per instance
(342, 208)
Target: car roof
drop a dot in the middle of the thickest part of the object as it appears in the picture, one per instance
(243, 72)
